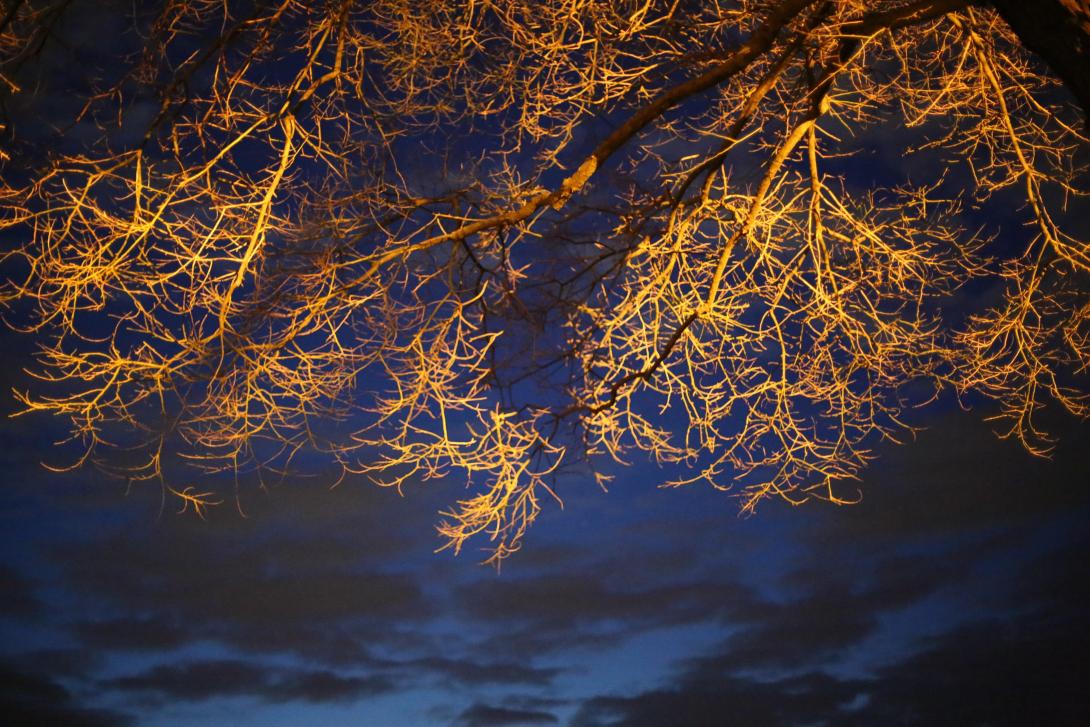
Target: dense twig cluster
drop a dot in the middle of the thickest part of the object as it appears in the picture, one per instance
(481, 238)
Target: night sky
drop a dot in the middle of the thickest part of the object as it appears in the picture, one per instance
(954, 593)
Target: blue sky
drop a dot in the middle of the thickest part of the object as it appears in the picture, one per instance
(955, 593)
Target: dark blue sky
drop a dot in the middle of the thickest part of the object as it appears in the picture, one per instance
(955, 593)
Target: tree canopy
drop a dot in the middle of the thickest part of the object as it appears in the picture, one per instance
(487, 240)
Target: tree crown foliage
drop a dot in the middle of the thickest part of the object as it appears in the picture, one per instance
(488, 239)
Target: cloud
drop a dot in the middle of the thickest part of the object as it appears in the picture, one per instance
(64, 662)
(811, 699)
(827, 610)
(326, 579)
(30, 699)
(483, 715)
(131, 633)
(19, 599)
(237, 596)
(832, 611)
(590, 607)
(1053, 587)
(201, 680)
(307, 580)
(995, 673)
(588, 597)
(1026, 667)
(957, 477)
(467, 672)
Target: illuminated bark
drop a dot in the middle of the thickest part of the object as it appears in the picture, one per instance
(482, 241)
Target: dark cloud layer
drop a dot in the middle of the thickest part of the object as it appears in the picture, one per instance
(989, 674)
(958, 476)
(469, 672)
(835, 608)
(277, 582)
(19, 599)
(483, 715)
(813, 699)
(1028, 668)
(232, 678)
(949, 586)
(32, 699)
